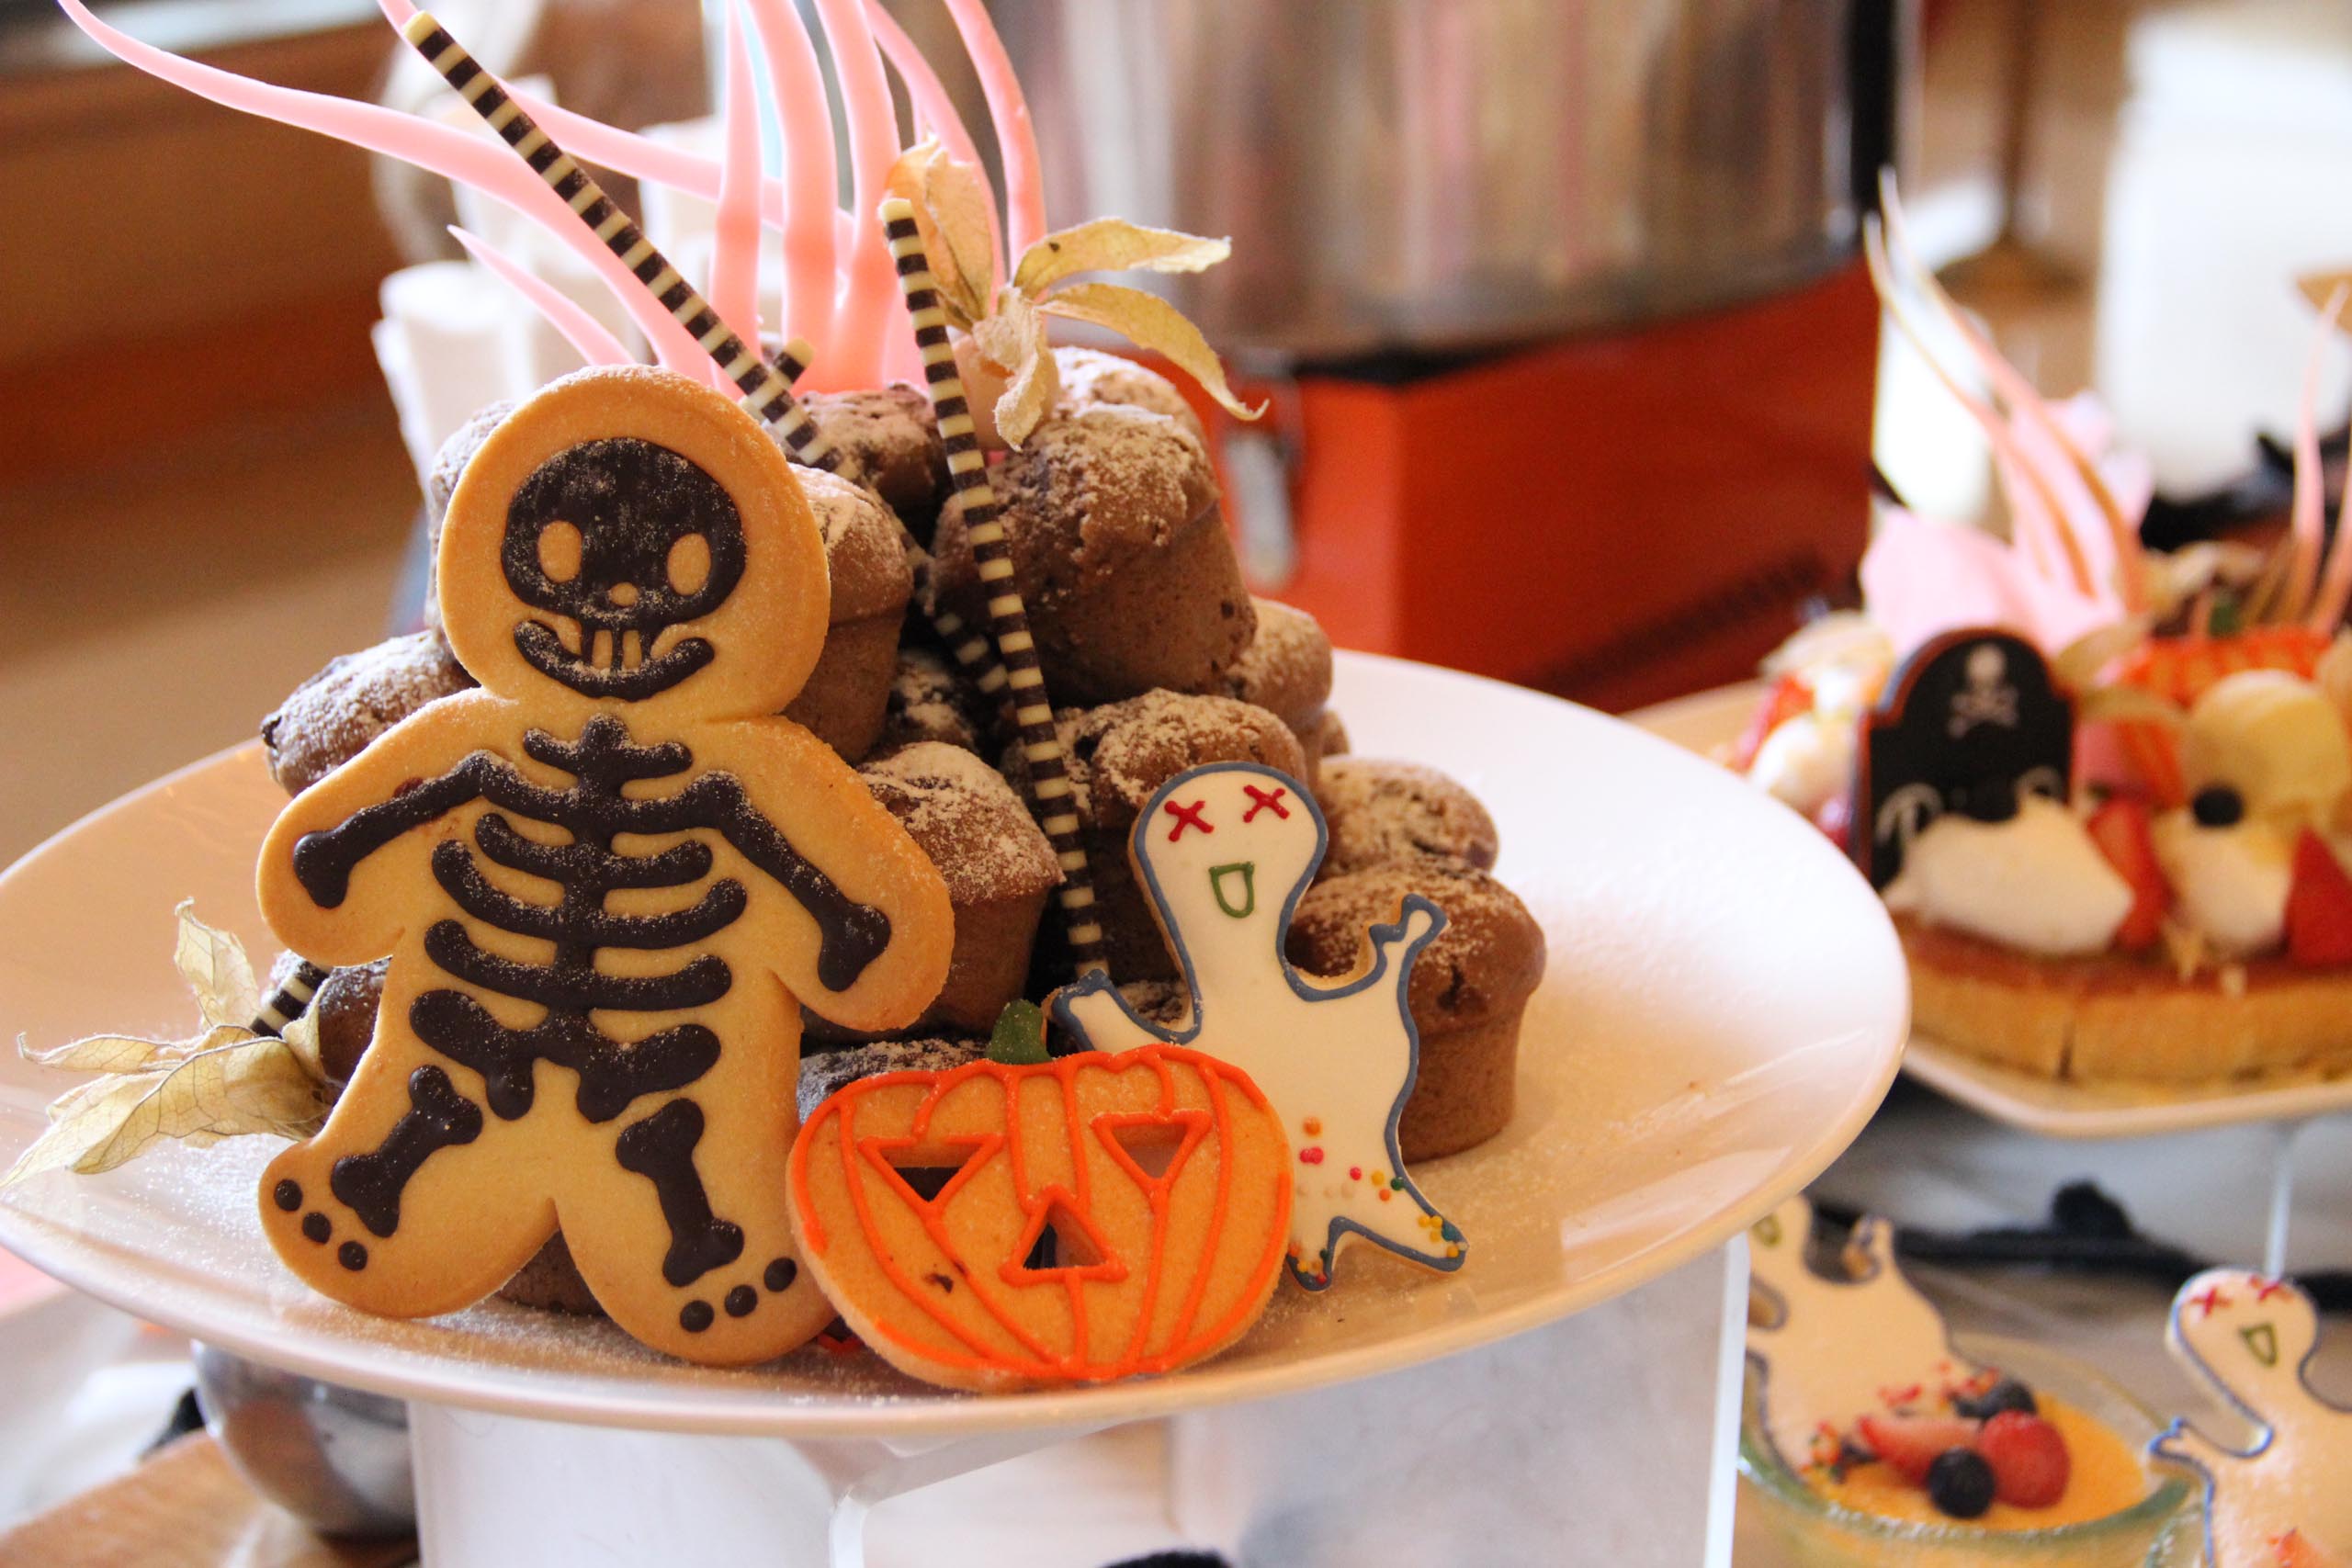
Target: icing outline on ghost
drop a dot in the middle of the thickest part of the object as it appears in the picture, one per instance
(2216, 1464)
(1093, 1011)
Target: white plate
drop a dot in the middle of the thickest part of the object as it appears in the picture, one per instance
(2052, 1108)
(1723, 1010)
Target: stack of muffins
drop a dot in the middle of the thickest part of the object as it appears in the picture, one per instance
(1166, 661)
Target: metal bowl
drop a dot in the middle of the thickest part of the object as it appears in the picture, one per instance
(334, 1458)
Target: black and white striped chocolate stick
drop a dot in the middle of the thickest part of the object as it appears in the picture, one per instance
(290, 1000)
(1033, 709)
(766, 389)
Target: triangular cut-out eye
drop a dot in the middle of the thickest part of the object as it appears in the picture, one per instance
(915, 1169)
(1151, 1144)
(1062, 1240)
(926, 1182)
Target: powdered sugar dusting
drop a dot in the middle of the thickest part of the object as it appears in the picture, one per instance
(331, 718)
(967, 818)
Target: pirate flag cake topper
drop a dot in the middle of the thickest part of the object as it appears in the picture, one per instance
(1972, 723)
(607, 880)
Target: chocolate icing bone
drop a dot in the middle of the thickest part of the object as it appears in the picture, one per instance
(607, 882)
(1971, 723)
(2250, 1338)
(1224, 850)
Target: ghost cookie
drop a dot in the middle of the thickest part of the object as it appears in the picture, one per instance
(2282, 1501)
(1011, 1224)
(607, 882)
(1225, 852)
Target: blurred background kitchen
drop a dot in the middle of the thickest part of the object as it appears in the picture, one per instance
(1558, 305)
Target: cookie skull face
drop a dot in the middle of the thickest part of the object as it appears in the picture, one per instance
(646, 549)
(620, 543)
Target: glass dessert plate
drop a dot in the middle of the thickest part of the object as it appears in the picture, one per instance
(1819, 1532)
(1724, 1008)
(1705, 720)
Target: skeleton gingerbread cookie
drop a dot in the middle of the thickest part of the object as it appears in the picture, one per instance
(1225, 852)
(607, 880)
(2283, 1501)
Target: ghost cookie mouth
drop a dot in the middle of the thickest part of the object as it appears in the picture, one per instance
(544, 651)
(1235, 887)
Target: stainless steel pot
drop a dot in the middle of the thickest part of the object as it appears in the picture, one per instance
(1439, 174)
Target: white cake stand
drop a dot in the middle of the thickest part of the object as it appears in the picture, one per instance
(1724, 1008)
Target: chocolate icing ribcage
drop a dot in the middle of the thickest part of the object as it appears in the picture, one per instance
(570, 987)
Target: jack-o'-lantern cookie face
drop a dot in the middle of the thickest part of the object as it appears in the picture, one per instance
(607, 883)
(1000, 1226)
(624, 570)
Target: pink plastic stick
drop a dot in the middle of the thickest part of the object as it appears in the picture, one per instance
(2021, 396)
(735, 249)
(581, 329)
(805, 122)
(1016, 138)
(2308, 534)
(444, 149)
(870, 288)
(934, 110)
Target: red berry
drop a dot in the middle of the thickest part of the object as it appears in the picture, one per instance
(1788, 696)
(1910, 1443)
(2319, 906)
(2028, 1459)
(2119, 828)
(1836, 819)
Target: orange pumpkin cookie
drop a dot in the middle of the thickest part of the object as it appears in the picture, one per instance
(1091, 1217)
(606, 881)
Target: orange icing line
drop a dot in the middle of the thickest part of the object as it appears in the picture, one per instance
(1075, 1366)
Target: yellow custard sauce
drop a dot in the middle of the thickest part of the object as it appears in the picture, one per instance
(2105, 1476)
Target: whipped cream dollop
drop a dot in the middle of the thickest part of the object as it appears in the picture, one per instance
(1806, 760)
(2229, 884)
(2036, 882)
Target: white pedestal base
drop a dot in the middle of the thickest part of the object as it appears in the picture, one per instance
(1605, 1438)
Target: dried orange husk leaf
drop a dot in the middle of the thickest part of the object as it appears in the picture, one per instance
(951, 203)
(1011, 339)
(1113, 244)
(224, 1081)
(214, 964)
(2319, 288)
(1150, 323)
(155, 1090)
(2079, 664)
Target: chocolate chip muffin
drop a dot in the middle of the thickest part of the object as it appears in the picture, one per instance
(1468, 993)
(998, 867)
(1285, 668)
(330, 718)
(890, 443)
(843, 701)
(929, 700)
(1121, 554)
(822, 1077)
(1380, 812)
(1090, 378)
(1119, 754)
